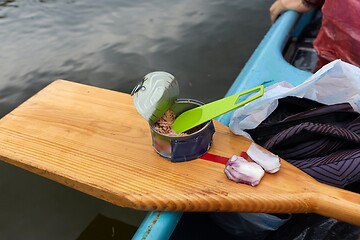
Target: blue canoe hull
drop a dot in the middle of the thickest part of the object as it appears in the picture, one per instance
(266, 66)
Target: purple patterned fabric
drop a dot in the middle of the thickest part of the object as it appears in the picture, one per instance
(333, 157)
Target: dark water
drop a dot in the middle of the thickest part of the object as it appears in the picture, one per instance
(110, 44)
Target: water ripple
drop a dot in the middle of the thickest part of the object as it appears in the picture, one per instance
(113, 43)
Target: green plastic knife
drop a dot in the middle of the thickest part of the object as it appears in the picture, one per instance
(206, 112)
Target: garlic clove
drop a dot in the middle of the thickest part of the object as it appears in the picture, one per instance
(239, 170)
(267, 160)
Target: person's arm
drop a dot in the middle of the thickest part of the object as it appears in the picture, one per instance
(301, 6)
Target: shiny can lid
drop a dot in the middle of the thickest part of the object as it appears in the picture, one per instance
(155, 94)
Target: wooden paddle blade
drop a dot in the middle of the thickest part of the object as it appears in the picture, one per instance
(95, 141)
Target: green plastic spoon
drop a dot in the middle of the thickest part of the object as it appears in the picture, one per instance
(204, 113)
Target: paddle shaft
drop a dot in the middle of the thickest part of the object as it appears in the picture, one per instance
(336, 203)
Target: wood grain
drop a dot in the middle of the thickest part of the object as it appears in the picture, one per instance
(93, 140)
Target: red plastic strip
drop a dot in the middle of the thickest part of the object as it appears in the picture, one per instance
(245, 155)
(214, 158)
(220, 159)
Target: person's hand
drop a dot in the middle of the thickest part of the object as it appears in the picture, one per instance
(280, 6)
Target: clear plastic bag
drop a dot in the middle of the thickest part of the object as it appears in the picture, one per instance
(336, 82)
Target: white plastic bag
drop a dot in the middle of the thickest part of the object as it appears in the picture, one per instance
(336, 82)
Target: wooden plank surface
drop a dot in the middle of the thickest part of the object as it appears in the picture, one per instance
(94, 140)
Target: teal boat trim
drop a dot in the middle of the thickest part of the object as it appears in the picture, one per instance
(266, 66)
(158, 225)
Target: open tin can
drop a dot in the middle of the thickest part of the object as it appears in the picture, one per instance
(156, 94)
(184, 148)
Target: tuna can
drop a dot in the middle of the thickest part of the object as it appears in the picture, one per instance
(184, 148)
